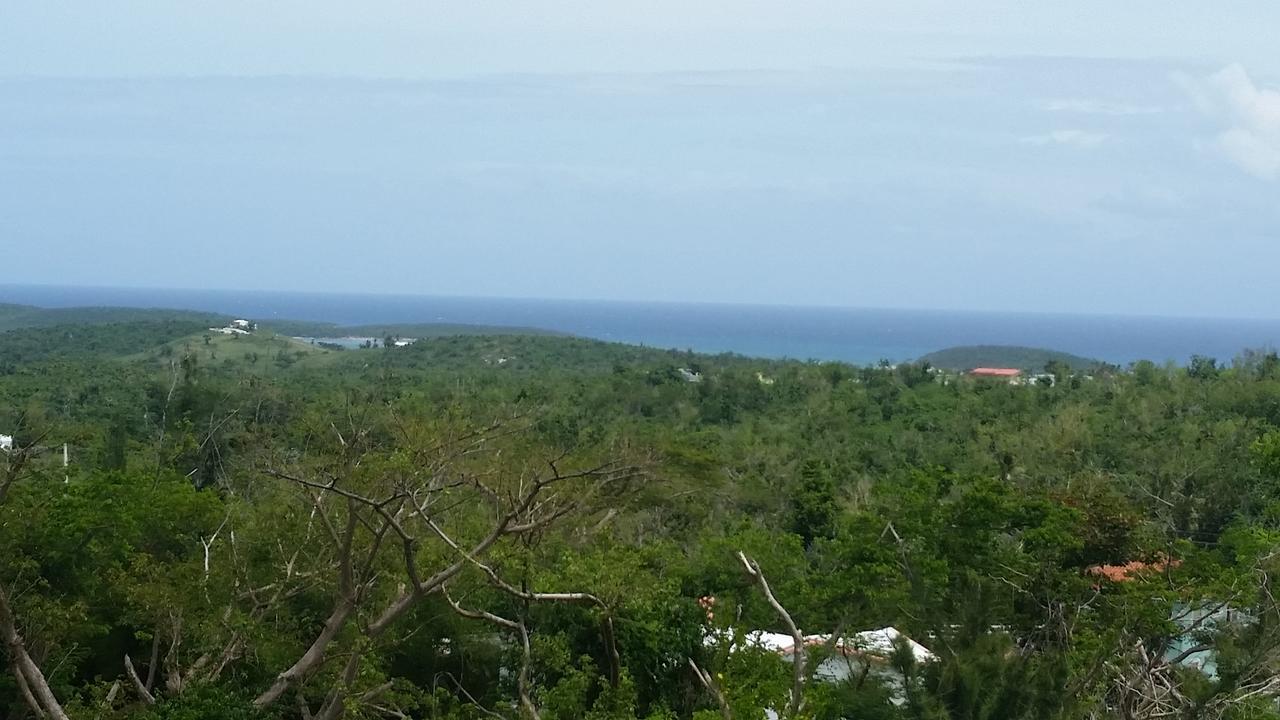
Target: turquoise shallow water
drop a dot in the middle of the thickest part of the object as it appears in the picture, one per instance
(848, 334)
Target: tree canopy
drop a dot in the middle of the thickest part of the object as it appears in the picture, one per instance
(535, 526)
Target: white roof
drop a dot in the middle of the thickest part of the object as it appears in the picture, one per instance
(777, 642)
(881, 642)
(873, 642)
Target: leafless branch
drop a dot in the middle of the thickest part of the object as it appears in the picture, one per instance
(34, 687)
(712, 688)
(138, 685)
(799, 670)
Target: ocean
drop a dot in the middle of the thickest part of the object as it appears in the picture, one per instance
(854, 335)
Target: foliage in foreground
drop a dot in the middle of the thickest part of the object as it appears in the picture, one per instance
(427, 532)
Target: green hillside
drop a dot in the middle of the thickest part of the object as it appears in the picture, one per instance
(13, 317)
(32, 334)
(83, 340)
(967, 357)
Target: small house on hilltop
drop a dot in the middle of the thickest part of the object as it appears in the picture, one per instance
(236, 327)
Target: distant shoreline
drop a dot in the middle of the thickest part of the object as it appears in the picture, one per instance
(859, 336)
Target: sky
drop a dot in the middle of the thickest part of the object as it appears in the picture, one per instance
(1093, 156)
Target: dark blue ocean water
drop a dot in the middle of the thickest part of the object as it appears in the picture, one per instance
(849, 334)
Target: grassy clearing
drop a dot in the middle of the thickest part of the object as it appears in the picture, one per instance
(260, 353)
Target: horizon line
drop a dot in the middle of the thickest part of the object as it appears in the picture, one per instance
(624, 301)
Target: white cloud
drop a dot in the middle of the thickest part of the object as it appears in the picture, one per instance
(1086, 106)
(1251, 114)
(1074, 138)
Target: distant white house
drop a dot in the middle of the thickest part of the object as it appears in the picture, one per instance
(406, 342)
(236, 327)
(689, 375)
(6, 443)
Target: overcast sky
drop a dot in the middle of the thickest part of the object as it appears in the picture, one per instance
(1091, 156)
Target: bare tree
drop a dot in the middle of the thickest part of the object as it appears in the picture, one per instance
(799, 652)
(437, 509)
(799, 666)
(244, 604)
(709, 683)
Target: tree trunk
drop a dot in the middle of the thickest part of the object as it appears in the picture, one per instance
(312, 658)
(32, 681)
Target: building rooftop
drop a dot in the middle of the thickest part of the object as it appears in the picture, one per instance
(1131, 570)
(995, 372)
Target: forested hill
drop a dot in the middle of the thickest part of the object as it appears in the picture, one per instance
(256, 528)
(967, 357)
(13, 316)
(28, 316)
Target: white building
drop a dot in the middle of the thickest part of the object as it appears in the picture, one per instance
(689, 375)
(873, 645)
(870, 652)
(6, 443)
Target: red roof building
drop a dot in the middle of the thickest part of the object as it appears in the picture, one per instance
(995, 372)
(1131, 570)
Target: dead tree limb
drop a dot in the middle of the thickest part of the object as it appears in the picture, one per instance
(31, 681)
(523, 680)
(712, 688)
(799, 671)
(25, 690)
(396, 512)
(35, 687)
(138, 685)
(607, 632)
(154, 662)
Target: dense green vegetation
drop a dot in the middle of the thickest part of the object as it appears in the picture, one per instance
(27, 316)
(14, 316)
(967, 357)
(522, 526)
